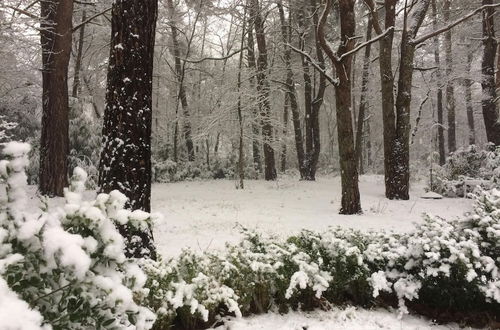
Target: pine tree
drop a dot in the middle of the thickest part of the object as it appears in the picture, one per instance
(126, 156)
(56, 35)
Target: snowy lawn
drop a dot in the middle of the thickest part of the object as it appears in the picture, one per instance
(205, 215)
(336, 319)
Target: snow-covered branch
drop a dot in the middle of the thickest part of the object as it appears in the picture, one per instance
(366, 43)
(330, 79)
(452, 24)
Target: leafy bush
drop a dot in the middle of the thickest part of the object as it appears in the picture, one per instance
(67, 264)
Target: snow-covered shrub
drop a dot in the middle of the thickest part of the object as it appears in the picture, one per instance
(255, 270)
(67, 264)
(185, 292)
(443, 265)
(469, 164)
(84, 140)
(5, 128)
(342, 275)
(166, 170)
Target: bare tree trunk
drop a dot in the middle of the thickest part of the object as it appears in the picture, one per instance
(401, 175)
(387, 84)
(317, 102)
(126, 156)
(56, 35)
(291, 91)
(440, 128)
(263, 84)
(241, 155)
(252, 64)
(490, 111)
(450, 88)
(368, 144)
(182, 97)
(362, 99)
(468, 97)
(497, 83)
(397, 124)
(348, 162)
(312, 102)
(79, 55)
(285, 132)
(308, 95)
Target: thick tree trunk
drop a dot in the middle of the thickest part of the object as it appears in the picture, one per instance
(348, 162)
(256, 128)
(56, 35)
(126, 156)
(450, 88)
(362, 99)
(182, 96)
(490, 111)
(79, 55)
(264, 91)
(437, 60)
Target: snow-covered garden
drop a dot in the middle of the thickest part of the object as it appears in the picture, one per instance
(63, 265)
(249, 164)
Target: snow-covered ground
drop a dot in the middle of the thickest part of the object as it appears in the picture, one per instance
(205, 215)
(336, 319)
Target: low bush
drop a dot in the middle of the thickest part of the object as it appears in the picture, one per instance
(447, 270)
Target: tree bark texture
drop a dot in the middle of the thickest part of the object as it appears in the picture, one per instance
(56, 36)
(264, 91)
(126, 156)
(490, 110)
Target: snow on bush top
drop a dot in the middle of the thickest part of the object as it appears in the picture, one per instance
(69, 262)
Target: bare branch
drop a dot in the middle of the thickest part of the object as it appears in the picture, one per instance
(366, 43)
(24, 12)
(332, 80)
(75, 28)
(452, 24)
(214, 58)
(321, 32)
(375, 21)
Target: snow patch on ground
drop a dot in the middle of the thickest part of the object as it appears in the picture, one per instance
(207, 214)
(338, 319)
